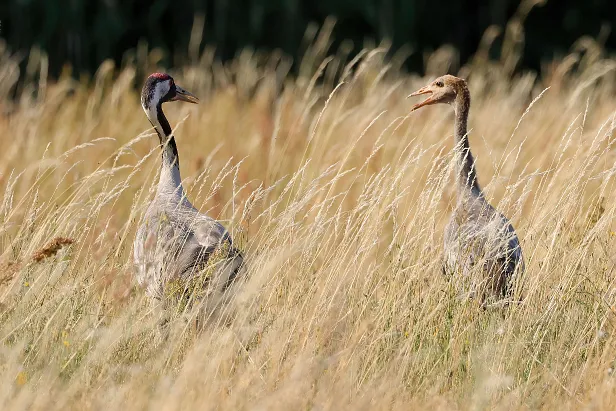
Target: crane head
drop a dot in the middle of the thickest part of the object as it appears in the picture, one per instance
(444, 89)
(160, 88)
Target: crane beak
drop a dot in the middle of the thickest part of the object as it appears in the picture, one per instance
(183, 95)
(428, 101)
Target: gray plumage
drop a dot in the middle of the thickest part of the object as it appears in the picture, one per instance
(175, 242)
(477, 237)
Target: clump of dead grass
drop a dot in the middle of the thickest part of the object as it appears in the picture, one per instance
(51, 248)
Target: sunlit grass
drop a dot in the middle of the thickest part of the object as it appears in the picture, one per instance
(337, 197)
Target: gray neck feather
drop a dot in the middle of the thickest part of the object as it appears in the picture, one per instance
(466, 175)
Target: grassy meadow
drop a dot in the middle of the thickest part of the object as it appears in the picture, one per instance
(338, 196)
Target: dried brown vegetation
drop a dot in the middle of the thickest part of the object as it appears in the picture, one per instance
(51, 248)
(337, 196)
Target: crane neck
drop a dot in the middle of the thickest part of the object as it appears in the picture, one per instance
(170, 181)
(466, 175)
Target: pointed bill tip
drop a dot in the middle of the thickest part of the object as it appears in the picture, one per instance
(183, 95)
(421, 91)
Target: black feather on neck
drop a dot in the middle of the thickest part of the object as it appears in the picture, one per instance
(163, 129)
(167, 140)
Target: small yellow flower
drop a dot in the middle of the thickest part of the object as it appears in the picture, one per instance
(27, 284)
(21, 378)
(66, 343)
(612, 233)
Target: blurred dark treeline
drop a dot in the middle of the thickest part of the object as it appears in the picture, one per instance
(85, 32)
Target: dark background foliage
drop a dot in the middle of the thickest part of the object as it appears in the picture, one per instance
(85, 32)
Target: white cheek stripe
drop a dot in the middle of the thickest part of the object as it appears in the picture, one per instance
(160, 91)
(170, 182)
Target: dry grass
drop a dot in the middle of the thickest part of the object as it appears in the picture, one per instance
(338, 197)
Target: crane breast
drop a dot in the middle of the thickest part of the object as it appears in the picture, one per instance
(171, 245)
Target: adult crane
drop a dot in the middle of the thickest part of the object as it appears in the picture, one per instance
(175, 242)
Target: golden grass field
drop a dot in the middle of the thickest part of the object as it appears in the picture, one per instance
(338, 196)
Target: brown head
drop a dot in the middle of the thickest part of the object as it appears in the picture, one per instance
(445, 89)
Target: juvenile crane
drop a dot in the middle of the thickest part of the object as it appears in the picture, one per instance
(174, 241)
(477, 234)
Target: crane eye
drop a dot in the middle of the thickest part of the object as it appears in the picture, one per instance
(439, 84)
